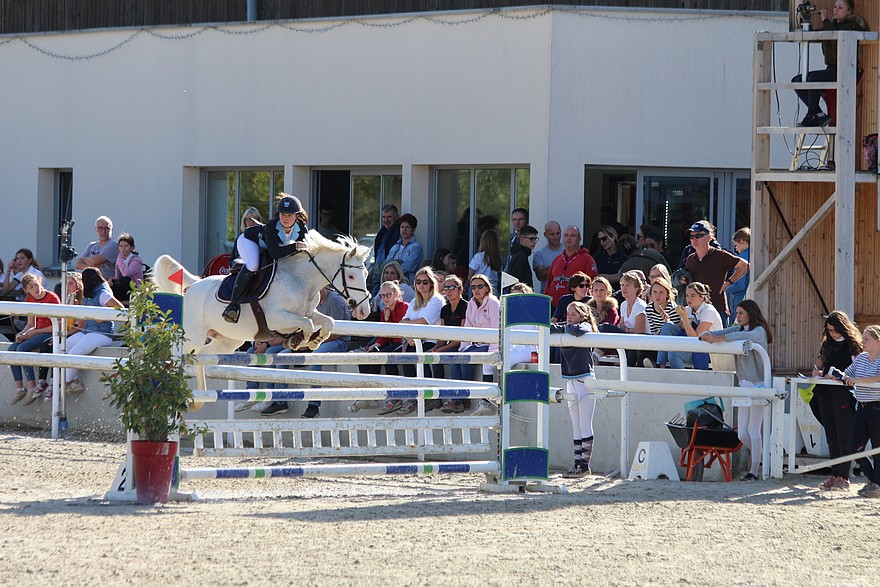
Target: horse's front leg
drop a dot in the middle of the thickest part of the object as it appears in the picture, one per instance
(323, 329)
(288, 323)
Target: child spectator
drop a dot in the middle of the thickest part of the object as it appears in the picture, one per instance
(577, 365)
(37, 331)
(394, 310)
(736, 292)
(659, 311)
(23, 264)
(129, 268)
(750, 325)
(487, 261)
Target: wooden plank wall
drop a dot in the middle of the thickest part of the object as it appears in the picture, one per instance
(27, 16)
(796, 312)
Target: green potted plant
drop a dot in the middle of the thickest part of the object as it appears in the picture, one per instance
(150, 390)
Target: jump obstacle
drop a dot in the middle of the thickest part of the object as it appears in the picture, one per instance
(513, 468)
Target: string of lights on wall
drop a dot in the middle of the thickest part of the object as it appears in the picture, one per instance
(377, 22)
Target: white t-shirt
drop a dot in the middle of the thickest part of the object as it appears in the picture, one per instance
(32, 271)
(479, 265)
(706, 313)
(430, 311)
(629, 321)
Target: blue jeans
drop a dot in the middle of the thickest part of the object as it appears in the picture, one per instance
(468, 372)
(333, 346)
(28, 346)
(677, 359)
(272, 350)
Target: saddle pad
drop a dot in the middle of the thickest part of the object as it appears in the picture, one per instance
(265, 275)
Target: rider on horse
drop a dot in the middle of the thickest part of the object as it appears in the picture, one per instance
(281, 236)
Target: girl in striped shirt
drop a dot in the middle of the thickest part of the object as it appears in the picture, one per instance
(865, 369)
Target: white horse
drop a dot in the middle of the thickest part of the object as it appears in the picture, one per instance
(288, 306)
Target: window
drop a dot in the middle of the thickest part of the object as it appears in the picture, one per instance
(227, 195)
(63, 208)
(492, 192)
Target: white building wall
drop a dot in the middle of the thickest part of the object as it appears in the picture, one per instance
(555, 92)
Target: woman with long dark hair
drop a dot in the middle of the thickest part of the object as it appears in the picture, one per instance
(834, 405)
(750, 325)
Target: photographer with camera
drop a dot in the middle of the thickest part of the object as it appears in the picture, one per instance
(842, 19)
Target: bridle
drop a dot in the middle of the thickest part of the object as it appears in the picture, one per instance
(346, 290)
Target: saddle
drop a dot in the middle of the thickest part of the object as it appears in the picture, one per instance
(265, 275)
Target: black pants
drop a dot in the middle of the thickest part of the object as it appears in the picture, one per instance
(866, 426)
(811, 97)
(836, 407)
(391, 347)
(410, 370)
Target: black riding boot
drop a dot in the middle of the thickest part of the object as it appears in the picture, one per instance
(243, 282)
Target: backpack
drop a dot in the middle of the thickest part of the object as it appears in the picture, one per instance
(869, 152)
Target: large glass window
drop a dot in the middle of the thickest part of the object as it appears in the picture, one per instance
(469, 201)
(673, 203)
(228, 193)
(369, 193)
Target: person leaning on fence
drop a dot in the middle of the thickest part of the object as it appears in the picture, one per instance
(834, 405)
(577, 365)
(750, 325)
(865, 369)
(37, 331)
(660, 310)
(93, 333)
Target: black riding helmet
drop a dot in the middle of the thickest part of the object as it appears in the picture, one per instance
(288, 205)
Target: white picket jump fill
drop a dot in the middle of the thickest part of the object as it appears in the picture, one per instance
(348, 437)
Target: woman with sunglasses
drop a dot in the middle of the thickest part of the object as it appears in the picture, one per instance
(608, 257)
(483, 311)
(834, 405)
(425, 309)
(579, 286)
(452, 314)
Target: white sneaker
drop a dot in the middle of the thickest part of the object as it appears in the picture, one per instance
(260, 406)
(242, 406)
(648, 363)
(486, 408)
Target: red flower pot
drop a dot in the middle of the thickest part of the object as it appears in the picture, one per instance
(153, 468)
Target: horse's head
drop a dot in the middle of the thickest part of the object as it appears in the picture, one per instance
(349, 279)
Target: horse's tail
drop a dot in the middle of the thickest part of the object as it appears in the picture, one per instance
(171, 276)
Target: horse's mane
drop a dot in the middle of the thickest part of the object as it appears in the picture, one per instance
(316, 242)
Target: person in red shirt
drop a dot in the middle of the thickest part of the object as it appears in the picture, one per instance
(572, 260)
(37, 331)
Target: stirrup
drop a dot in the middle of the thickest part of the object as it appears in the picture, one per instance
(231, 313)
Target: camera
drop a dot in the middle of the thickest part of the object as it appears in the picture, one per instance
(805, 8)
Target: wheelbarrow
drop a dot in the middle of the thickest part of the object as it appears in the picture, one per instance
(703, 445)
